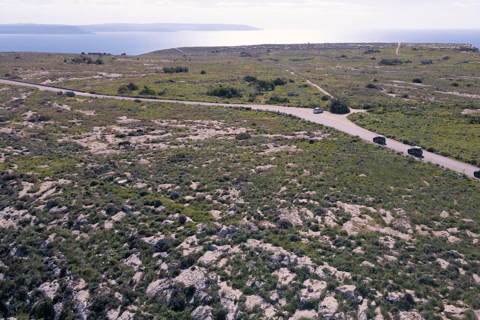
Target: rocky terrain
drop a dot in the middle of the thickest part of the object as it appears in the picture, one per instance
(127, 210)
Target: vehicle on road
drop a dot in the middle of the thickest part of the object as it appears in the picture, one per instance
(380, 140)
(317, 110)
(415, 151)
(476, 174)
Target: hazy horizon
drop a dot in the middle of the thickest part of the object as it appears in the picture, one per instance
(338, 14)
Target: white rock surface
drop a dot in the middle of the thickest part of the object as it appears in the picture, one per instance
(228, 296)
(133, 261)
(285, 276)
(202, 313)
(82, 305)
(412, 315)
(304, 314)
(328, 307)
(347, 290)
(49, 289)
(126, 315)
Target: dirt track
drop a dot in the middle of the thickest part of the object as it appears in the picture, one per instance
(339, 122)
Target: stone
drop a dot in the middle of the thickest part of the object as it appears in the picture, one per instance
(347, 290)
(82, 305)
(225, 231)
(113, 314)
(394, 296)
(328, 307)
(200, 196)
(127, 315)
(49, 289)
(404, 315)
(133, 261)
(304, 314)
(453, 311)
(403, 224)
(362, 310)
(285, 276)
(202, 313)
(444, 214)
(367, 264)
(126, 208)
(194, 278)
(58, 210)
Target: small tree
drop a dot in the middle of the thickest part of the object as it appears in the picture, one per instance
(132, 86)
(338, 107)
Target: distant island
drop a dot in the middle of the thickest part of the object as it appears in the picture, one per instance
(118, 27)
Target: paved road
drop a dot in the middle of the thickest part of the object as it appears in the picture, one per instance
(339, 122)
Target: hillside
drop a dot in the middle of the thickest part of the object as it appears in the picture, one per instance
(125, 210)
(113, 209)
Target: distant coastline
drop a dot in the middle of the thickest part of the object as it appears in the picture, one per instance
(135, 43)
(118, 27)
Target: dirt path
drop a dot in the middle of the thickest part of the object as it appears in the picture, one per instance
(339, 122)
(314, 85)
(398, 48)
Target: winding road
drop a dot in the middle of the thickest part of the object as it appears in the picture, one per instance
(339, 122)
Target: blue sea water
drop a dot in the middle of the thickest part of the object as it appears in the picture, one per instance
(134, 43)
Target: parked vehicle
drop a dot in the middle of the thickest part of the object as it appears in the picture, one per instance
(380, 140)
(317, 110)
(415, 151)
(476, 174)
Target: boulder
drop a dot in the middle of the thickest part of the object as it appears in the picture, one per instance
(225, 231)
(347, 290)
(202, 313)
(328, 307)
(58, 210)
(404, 315)
(49, 289)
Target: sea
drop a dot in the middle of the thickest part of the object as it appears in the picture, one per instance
(136, 43)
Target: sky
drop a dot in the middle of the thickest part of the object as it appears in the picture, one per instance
(329, 14)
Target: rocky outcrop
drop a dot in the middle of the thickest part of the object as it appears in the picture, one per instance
(202, 313)
(348, 291)
(328, 307)
(49, 289)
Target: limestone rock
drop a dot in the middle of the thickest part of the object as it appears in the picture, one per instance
(367, 264)
(133, 261)
(194, 278)
(347, 290)
(285, 276)
(82, 305)
(328, 307)
(202, 313)
(49, 289)
(304, 314)
(227, 231)
(453, 311)
(404, 315)
(362, 310)
(127, 315)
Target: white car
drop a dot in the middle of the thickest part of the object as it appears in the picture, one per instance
(317, 110)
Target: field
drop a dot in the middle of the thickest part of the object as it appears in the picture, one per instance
(146, 210)
(426, 94)
(159, 210)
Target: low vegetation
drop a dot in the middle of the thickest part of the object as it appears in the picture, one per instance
(155, 210)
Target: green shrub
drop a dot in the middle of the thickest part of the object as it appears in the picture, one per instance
(279, 82)
(223, 92)
(132, 86)
(243, 136)
(250, 78)
(417, 80)
(147, 91)
(265, 85)
(338, 107)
